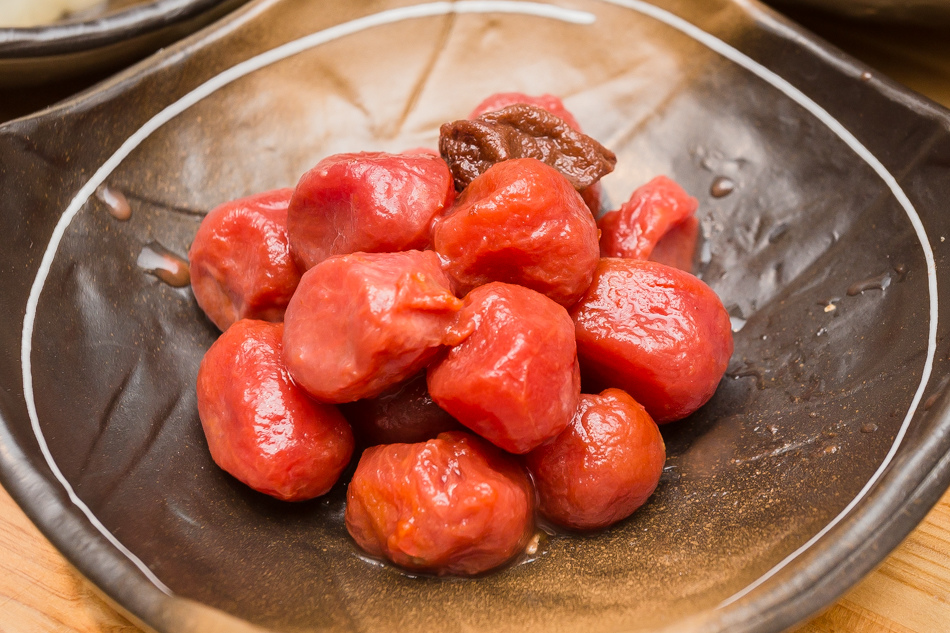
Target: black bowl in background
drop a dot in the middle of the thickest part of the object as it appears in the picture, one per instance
(33, 56)
(825, 444)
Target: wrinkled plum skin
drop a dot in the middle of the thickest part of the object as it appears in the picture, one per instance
(592, 195)
(470, 147)
(452, 505)
(653, 209)
(520, 222)
(261, 428)
(403, 414)
(656, 332)
(551, 103)
(514, 380)
(240, 261)
(361, 323)
(603, 467)
(369, 202)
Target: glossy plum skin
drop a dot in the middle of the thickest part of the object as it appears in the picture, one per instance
(261, 428)
(403, 414)
(370, 202)
(653, 209)
(514, 379)
(678, 245)
(240, 261)
(656, 332)
(520, 222)
(361, 323)
(603, 467)
(452, 505)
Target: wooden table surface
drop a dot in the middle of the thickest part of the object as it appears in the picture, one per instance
(908, 593)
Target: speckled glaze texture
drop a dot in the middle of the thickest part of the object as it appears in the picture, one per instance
(816, 393)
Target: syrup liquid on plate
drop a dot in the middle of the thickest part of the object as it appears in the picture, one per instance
(116, 201)
(721, 187)
(157, 260)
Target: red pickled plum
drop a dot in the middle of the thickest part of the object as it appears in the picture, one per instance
(452, 505)
(403, 414)
(261, 428)
(367, 202)
(241, 267)
(520, 222)
(361, 323)
(656, 332)
(603, 467)
(514, 380)
(633, 230)
(678, 246)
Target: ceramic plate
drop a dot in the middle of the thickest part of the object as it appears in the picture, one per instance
(825, 444)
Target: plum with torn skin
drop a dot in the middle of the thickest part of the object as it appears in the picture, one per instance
(240, 261)
(514, 378)
(520, 222)
(361, 323)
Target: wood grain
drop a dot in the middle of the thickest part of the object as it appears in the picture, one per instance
(908, 593)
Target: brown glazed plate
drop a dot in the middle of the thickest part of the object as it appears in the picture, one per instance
(825, 444)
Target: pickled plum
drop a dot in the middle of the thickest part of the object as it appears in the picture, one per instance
(240, 261)
(551, 103)
(261, 428)
(656, 332)
(522, 223)
(470, 147)
(403, 414)
(605, 465)
(367, 202)
(361, 323)
(652, 210)
(677, 247)
(514, 379)
(592, 195)
(452, 505)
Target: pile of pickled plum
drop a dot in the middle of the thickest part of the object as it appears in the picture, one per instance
(441, 311)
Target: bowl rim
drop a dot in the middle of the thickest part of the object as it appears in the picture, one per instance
(73, 37)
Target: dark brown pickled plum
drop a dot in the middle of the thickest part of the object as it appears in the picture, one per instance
(592, 195)
(501, 100)
(602, 467)
(403, 414)
(361, 323)
(522, 223)
(240, 261)
(370, 202)
(653, 209)
(262, 428)
(514, 379)
(656, 332)
(452, 505)
(472, 146)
